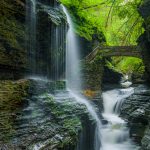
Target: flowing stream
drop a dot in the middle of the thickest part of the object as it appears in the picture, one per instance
(115, 134)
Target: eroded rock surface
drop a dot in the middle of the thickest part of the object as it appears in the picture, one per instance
(43, 117)
(136, 110)
(144, 40)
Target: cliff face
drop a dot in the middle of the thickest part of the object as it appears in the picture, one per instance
(12, 35)
(135, 109)
(29, 118)
(51, 29)
(16, 39)
(144, 40)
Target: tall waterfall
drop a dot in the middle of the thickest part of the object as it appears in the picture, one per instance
(73, 74)
(31, 31)
(73, 77)
(46, 35)
(115, 134)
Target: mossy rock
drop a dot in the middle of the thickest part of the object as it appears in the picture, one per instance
(12, 95)
(12, 35)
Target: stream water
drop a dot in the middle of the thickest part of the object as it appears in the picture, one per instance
(115, 134)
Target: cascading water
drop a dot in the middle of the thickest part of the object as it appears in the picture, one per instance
(115, 134)
(72, 57)
(46, 37)
(73, 77)
(31, 30)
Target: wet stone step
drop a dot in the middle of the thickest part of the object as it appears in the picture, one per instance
(30, 118)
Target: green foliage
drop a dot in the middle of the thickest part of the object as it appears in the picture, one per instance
(85, 24)
(12, 95)
(127, 65)
(118, 20)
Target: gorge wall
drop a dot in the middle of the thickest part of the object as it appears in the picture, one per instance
(144, 39)
(30, 118)
(135, 109)
(15, 44)
(12, 36)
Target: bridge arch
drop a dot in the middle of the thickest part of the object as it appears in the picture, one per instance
(109, 51)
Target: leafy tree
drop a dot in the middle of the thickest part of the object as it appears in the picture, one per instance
(118, 20)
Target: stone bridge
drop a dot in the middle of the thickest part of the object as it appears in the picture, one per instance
(109, 51)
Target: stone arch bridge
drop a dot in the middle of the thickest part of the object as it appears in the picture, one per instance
(109, 51)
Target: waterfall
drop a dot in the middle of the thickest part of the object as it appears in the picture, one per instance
(73, 77)
(73, 74)
(46, 36)
(31, 31)
(115, 134)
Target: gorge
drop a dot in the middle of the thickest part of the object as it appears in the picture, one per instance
(52, 98)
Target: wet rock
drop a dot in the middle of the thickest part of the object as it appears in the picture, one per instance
(104, 121)
(12, 39)
(92, 74)
(136, 110)
(55, 15)
(50, 41)
(144, 39)
(45, 121)
(146, 139)
(12, 96)
(110, 76)
(15, 39)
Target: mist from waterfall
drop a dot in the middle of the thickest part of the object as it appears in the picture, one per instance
(73, 78)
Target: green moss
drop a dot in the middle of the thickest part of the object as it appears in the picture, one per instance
(68, 115)
(12, 34)
(60, 85)
(12, 95)
(127, 65)
(93, 72)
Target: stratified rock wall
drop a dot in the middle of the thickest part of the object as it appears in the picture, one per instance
(92, 74)
(12, 35)
(136, 111)
(144, 40)
(49, 52)
(31, 119)
(51, 40)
